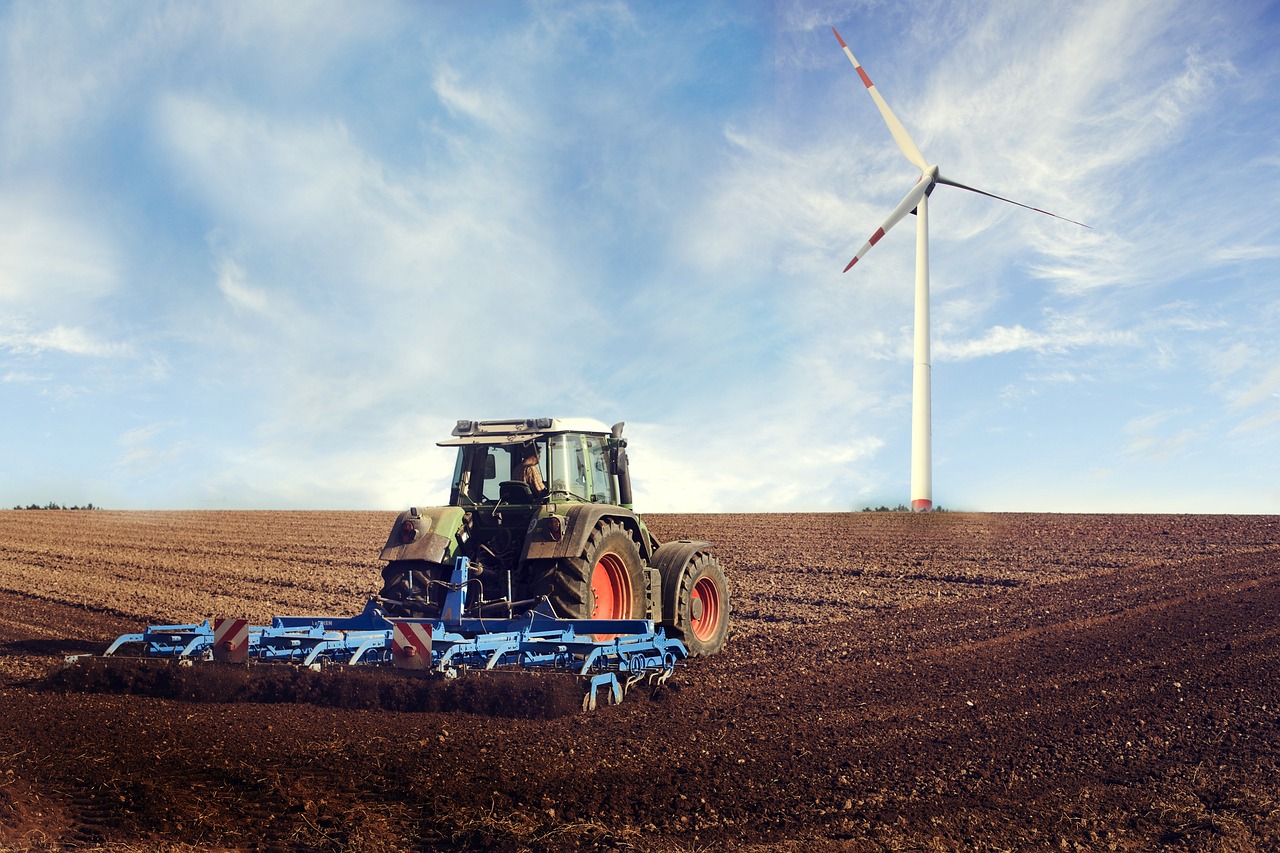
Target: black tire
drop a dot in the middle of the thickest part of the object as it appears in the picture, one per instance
(701, 606)
(407, 589)
(612, 560)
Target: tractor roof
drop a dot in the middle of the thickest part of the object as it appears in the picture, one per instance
(515, 431)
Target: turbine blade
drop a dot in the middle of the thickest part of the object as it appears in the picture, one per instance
(900, 135)
(904, 207)
(961, 186)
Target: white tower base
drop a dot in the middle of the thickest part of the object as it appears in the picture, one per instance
(921, 415)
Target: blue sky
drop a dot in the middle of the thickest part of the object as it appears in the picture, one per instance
(263, 255)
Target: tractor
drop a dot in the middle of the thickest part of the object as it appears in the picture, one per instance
(542, 510)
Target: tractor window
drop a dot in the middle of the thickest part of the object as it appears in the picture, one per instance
(459, 472)
(601, 480)
(482, 469)
(496, 473)
(568, 467)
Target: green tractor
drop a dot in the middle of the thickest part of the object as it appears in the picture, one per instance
(542, 510)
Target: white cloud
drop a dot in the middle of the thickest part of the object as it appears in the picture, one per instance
(1001, 339)
(51, 262)
(749, 467)
(1263, 422)
(1246, 252)
(241, 295)
(488, 108)
(70, 340)
(1150, 440)
(1265, 388)
(1061, 377)
(400, 467)
(142, 452)
(1232, 360)
(21, 377)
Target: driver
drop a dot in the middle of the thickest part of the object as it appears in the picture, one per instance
(528, 471)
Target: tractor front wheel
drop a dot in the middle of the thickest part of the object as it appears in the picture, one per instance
(702, 603)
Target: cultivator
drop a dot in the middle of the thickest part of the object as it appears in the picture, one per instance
(609, 655)
(563, 577)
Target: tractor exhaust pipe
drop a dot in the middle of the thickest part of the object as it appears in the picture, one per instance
(620, 464)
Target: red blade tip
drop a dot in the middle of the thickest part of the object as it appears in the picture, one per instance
(851, 263)
(842, 44)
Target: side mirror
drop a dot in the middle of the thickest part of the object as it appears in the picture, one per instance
(490, 467)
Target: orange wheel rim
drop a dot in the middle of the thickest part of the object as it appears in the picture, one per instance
(705, 603)
(611, 588)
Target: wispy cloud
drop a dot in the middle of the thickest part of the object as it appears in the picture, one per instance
(241, 294)
(1264, 388)
(19, 376)
(1150, 439)
(1000, 339)
(1247, 252)
(69, 340)
(1261, 423)
(51, 260)
(142, 452)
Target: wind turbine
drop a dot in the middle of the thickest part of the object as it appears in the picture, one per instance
(917, 201)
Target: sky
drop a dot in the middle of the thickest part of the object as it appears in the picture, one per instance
(263, 255)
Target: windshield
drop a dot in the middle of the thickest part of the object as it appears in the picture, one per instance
(564, 466)
(512, 473)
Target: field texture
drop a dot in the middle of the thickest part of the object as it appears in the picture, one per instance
(895, 682)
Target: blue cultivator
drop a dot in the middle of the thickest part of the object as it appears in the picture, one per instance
(613, 654)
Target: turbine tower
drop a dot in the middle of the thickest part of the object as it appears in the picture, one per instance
(917, 200)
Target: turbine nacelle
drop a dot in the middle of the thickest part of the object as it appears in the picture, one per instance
(924, 185)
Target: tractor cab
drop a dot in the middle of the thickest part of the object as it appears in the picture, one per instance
(524, 495)
(538, 461)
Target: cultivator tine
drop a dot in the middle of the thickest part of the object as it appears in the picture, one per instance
(122, 640)
(632, 681)
(198, 644)
(366, 646)
(610, 682)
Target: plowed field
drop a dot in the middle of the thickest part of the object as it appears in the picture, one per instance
(898, 682)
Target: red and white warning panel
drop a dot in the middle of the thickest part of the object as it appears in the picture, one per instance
(411, 645)
(231, 640)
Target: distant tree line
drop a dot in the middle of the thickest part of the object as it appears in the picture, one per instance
(53, 505)
(898, 508)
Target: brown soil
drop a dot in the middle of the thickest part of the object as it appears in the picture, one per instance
(897, 682)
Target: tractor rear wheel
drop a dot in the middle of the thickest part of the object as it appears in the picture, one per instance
(702, 603)
(407, 589)
(606, 582)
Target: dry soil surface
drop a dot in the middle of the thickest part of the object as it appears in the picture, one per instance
(897, 682)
